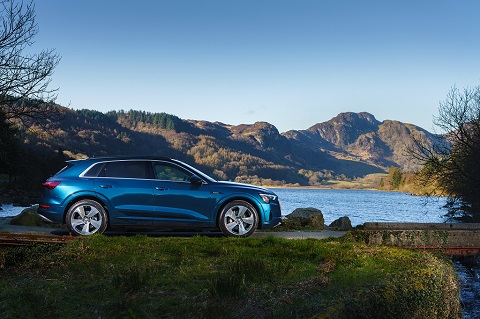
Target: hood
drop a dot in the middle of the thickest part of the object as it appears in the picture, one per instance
(243, 185)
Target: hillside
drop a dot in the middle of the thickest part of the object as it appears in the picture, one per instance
(360, 137)
(349, 145)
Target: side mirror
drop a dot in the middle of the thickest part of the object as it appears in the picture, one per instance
(194, 179)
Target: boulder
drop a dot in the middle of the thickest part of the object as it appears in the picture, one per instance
(28, 217)
(311, 218)
(343, 223)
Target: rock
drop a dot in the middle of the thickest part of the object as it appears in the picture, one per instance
(343, 223)
(28, 217)
(311, 218)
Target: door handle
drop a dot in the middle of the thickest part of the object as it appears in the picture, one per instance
(161, 188)
(106, 186)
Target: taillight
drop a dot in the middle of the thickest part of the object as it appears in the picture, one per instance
(51, 184)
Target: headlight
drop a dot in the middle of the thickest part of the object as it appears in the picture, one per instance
(268, 197)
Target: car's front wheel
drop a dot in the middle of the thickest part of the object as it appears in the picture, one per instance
(86, 217)
(238, 219)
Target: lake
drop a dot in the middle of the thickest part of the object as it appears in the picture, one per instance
(364, 205)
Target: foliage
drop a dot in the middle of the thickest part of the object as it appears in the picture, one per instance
(158, 120)
(451, 164)
(399, 180)
(396, 177)
(201, 277)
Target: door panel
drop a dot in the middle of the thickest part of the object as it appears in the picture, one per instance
(131, 200)
(126, 186)
(182, 202)
(177, 200)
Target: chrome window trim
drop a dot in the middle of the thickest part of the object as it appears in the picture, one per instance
(173, 162)
(82, 174)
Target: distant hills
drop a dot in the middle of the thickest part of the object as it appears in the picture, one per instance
(347, 146)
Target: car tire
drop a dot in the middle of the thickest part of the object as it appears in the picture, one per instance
(238, 219)
(86, 217)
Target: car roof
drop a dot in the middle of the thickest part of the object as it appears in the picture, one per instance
(121, 157)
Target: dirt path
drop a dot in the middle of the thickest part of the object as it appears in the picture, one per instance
(14, 229)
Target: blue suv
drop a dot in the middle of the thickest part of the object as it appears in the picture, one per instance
(92, 194)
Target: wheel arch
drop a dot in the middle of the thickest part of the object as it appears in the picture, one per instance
(247, 199)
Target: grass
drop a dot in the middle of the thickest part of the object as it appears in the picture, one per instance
(203, 277)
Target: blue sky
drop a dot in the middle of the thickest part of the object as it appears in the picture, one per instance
(292, 63)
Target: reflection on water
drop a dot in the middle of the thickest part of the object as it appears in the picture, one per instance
(363, 205)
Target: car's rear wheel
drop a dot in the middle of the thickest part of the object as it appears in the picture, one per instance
(238, 219)
(86, 217)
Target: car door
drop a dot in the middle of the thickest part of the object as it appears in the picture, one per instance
(128, 188)
(177, 200)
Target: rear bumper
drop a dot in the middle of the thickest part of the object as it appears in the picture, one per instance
(45, 218)
(54, 214)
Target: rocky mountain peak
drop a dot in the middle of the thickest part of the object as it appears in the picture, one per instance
(355, 119)
(263, 133)
(345, 128)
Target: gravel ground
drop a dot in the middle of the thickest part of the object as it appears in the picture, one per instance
(5, 227)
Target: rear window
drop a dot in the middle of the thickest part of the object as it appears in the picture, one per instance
(126, 169)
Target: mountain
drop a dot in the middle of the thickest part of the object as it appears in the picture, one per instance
(349, 145)
(361, 137)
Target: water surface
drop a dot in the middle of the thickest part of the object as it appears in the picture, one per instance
(364, 205)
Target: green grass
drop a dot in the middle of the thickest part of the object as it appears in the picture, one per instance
(203, 277)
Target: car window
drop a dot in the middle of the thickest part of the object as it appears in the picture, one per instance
(94, 170)
(126, 169)
(169, 172)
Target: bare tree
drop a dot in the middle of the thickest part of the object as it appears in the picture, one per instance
(452, 163)
(25, 96)
(24, 78)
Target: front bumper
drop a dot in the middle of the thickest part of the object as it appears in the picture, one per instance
(273, 218)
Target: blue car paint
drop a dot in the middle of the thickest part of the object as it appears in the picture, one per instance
(150, 202)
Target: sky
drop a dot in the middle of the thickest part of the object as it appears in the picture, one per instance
(292, 63)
